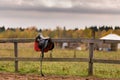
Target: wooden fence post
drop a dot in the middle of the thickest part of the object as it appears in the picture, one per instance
(16, 56)
(51, 54)
(91, 49)
(74, 53)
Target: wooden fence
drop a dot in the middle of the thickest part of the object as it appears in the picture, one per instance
(90, 59)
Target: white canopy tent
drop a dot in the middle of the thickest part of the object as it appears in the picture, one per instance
(112, 37)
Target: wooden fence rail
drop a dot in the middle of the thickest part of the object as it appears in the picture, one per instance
(90, 59)
(61, 60)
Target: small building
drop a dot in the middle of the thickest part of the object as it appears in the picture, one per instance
(110, 46)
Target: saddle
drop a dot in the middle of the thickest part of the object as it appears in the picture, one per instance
(43, 43)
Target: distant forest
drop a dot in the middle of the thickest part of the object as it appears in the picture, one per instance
(59, 32)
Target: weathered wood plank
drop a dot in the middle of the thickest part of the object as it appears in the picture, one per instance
(91, 50)
(16, 55)
(106, 61)
(7, 59)
(46, 59)
(84, 40)
(62, 60)
(19, 40)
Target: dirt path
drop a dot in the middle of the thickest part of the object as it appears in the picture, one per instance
(13, 76)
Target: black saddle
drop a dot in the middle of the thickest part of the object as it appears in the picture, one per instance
(44, 43)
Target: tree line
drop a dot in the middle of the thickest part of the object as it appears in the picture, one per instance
(59, 32)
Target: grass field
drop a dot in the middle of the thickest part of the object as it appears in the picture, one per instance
(59, 68)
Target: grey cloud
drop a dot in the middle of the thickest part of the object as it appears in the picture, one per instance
(70, 10)
(68, 6)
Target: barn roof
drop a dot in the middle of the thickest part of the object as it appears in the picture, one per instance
(111, 37)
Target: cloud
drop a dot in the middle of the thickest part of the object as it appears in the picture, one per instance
(73, 6)
(49, 13)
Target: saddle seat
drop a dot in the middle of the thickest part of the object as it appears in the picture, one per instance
(43, 43)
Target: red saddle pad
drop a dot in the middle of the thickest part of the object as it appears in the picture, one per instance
(36, 48)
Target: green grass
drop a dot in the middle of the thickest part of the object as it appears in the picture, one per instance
(107, 70)
(59, 68)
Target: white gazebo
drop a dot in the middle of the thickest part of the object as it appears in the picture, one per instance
(112, 46)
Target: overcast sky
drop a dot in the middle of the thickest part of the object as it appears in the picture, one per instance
(52, 13)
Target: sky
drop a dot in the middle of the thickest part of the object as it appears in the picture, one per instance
(47, 14)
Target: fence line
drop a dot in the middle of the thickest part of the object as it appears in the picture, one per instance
(90, 59)
(61, 60)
